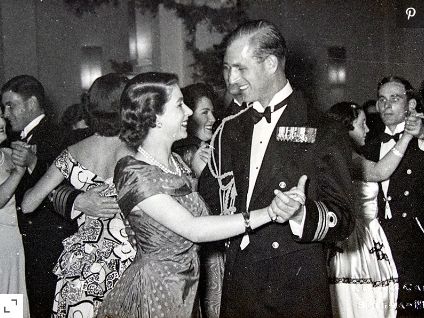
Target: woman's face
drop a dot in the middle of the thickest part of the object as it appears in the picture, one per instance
(203, 119)
(175, 116)
(3, 135)
(360, 129)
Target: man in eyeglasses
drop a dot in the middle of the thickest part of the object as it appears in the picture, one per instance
(401, 198)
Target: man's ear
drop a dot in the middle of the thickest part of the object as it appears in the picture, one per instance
(32, 103)
(271, 63)
(412, 104)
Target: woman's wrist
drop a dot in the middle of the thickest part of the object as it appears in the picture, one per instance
(272, 216)
(17, 172)
(259, 217)
(246, 219)
(396, 152)
(406, 136)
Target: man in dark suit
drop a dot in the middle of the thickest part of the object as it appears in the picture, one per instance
(43, 230)
(401, 198)
(278, 270)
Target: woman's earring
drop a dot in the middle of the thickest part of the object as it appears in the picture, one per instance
(158, 124)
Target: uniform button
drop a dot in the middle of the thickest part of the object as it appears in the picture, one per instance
(30, 222)
(389, 198)
(275, 245)
(404, 215)
(282, 185)
(60, 227)
(409, 171)
(406, 193)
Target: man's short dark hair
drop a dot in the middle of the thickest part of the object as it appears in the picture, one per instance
(409, 89)
(26, 86)
(264, 36)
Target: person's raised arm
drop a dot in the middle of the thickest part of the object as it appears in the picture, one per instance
(8, 187)
(35, 196)
(383, 169)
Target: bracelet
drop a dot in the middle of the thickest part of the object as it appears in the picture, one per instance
(397, 152)
(246, 217)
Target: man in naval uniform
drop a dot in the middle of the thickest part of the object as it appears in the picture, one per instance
(401, 198)
(278, 270)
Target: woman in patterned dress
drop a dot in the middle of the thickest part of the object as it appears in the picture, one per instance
(96, 256)
(157, 195)
(363, 276)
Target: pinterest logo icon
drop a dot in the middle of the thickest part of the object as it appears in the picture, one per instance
(410, 12)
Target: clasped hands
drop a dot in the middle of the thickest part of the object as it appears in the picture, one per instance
(23, 155)
(413, 123)
(288, 205)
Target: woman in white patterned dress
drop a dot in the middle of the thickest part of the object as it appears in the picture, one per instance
(96, 256)
(12, 261)
(363, 276)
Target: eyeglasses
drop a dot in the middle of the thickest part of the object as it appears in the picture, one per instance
(383, 101)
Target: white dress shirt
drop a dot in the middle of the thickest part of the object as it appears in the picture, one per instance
(261, 135)
(262, 132)
(384, 149)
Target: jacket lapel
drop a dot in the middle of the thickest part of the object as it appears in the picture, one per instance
(241, 156)
(34, 135)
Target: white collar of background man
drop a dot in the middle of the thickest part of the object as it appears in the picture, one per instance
(31, 125)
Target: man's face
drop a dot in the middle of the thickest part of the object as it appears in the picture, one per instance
(245, 75)
(392, 104)
(16, 109)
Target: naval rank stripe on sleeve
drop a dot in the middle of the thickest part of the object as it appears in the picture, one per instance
(322, 227)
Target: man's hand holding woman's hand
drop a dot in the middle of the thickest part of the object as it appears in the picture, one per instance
(23, 156)
(288, 205)
(413, 123)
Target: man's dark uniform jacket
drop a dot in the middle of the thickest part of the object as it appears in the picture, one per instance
(404, 231)
(278, 274)
(42, 230)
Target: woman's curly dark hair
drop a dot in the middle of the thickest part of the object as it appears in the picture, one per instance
(102, 104)
(345, 113)
(143, 98)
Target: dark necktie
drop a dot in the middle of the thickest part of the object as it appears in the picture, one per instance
(257, 116)
(385, 137)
